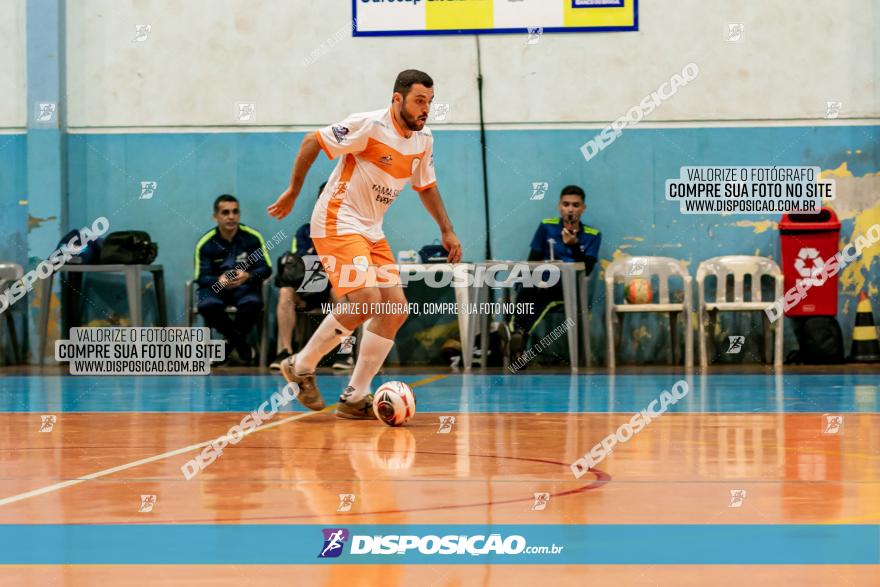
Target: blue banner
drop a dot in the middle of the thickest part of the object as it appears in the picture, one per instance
(450, 544)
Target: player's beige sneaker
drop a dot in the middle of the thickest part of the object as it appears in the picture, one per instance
(309, 394)
(361, 409)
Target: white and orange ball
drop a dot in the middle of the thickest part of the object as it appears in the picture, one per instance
(394, 450)
(638, 291)
(394, 403)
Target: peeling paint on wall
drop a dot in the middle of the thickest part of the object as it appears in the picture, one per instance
(35, 222)
(759, 226)
(638, 335)
(617, 254)
(857, 199)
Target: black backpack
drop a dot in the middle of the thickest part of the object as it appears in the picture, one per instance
(820, 341)
(292, 273)
(434, 253)
(128, 247)
(80, 255)
(291, 270)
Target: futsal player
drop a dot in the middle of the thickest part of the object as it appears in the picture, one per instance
(378, 152)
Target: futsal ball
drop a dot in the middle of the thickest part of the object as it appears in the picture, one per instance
(394, 403)
(638, 291)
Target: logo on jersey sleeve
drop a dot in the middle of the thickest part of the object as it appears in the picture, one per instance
(340, 132)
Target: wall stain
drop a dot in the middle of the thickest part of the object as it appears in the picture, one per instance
(35, 222)
(759, 226)
(856, 200)
(429, 336)
(638, 335)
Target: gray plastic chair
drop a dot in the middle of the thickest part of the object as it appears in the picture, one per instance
(191, 311)
(629, 268)
(9, 274)
(733, 299)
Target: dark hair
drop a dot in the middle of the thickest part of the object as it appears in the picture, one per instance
(406, 79)
(223, 198)
(573, 190)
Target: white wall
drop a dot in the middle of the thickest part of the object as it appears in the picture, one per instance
(13, 80)
(794, 57)
(202, 57)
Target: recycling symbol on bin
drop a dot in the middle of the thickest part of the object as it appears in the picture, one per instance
(801, 265)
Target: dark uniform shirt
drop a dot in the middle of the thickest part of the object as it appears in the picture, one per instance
(302, 241)
(247, 251)
(588, 243)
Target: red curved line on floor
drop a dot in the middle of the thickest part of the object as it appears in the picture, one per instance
(602, 478)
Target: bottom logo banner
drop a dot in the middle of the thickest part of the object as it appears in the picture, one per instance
(379, 544)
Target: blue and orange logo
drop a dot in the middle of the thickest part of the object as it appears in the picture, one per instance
(334, 541)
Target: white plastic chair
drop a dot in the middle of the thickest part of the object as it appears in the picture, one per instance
(630, 268)
(733, 300)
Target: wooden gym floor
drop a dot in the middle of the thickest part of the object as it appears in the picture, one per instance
(743, 480)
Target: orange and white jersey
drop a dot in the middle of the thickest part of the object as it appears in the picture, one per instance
(375, 163)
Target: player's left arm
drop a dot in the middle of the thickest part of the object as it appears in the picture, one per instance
(424, 181)
(433, 203)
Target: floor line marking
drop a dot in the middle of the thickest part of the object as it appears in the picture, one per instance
(172, 453)
(138, 463)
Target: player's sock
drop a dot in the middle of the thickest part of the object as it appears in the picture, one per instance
(326, 337)
(374, 351)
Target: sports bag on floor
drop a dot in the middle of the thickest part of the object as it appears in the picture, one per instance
(820, 341)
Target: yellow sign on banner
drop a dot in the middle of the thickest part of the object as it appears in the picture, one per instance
(599, 16)
(460, 14)
(450, 17)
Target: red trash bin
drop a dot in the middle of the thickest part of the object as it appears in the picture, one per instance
(807, 241)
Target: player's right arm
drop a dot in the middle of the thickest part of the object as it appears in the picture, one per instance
(308, 152)
(537, 246)
(348, 136)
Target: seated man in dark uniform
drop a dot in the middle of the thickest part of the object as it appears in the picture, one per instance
(231, 264)
(564, 238)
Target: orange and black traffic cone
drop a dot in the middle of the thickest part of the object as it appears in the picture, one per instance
(865, 347)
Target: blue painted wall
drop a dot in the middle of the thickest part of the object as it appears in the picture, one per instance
(13, 216)
(13, 220)
(192, 169)
(625, 183)
(624, 186)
